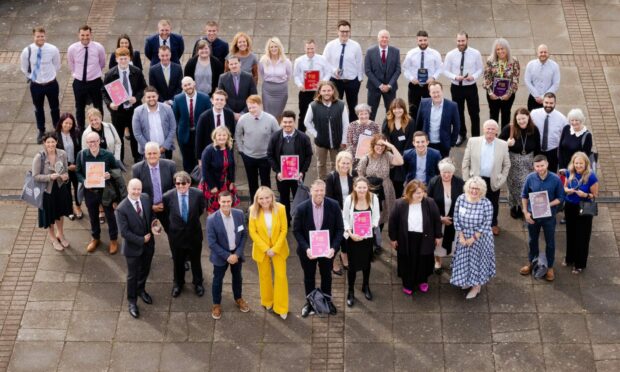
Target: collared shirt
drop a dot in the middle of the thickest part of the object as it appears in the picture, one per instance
(435, 122)
(551, 183)
(420, 167)
(222, 120)
(311, 130)
(317, 214)
(161, 41)
(472, 65)
(129, 91)
(353, 63)
(229, 226)
(557, 122)
(50, 62)
(279, 72)
(67, 143)
(432, 62)
(317, 62)
(386, 49)
(487, 155)
(156, 131)
(194, 103)
(135, 203)
(415, 219)
(96, 60)
(541, 78)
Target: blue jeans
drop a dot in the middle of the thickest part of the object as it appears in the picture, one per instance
(218, 278)
(548, 226)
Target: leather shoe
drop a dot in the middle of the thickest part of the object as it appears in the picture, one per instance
(550, 276)
(200, 290)
(526, 270)
(495, 230)
(332, 308)
(146, 298)
(307, 310)
(350, 299)
(367, 293)
(176, 291)
(460, 140)
(113, 247)
(133, 310)
(92, 245)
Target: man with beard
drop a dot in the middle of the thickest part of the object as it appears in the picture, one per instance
(550, 122)
(154, 122)
(422, 65)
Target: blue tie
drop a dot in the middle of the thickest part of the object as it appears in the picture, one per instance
(184, 208)
(37, 65)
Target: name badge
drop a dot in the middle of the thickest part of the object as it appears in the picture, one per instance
(239, 228)
(368, 132)
(401, 138)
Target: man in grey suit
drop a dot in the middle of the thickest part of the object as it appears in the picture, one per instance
(134, 218)
(382, 65)
(154, 122)
(239, 85)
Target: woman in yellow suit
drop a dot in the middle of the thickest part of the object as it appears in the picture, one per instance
(268, 228)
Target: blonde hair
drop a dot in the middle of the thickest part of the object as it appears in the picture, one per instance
(475, 181)
(222, 129)
(571, 167)
(266, 58)
(255, 207)
(344, 155)
(93, 112)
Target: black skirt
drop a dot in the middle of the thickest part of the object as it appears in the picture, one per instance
(359, 253)
(414, 268)
(56, 204)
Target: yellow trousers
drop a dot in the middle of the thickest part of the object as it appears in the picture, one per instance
(273, 295)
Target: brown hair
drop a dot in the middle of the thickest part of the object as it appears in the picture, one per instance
(86, 28)
(516, 130)
(221, 92)
(376, 138)
(38, 29)
(233, 46)
(118, 43)
(122, 52)
(343, 22)
(390, 117)
(354, 194)
(322, 83)
(411, 188)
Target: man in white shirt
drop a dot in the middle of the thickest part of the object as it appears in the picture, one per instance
(542, 75)
(463, 65)
(382, 65)
(421, 66)
(345, 56)
(550, 123)
(309, 62)
(154, 122)
(40, 62)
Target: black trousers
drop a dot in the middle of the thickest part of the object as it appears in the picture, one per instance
(121, 119)
(374, 97)
(499, 107)
(325, 269)
(85, 92)
(38, 93)
(74, 183)
(179, 256)
(286, 189)
(350, 89)
(305, 99)
(138, 268)
(467, 94)
(415, 94)
(351, 274)
(188, 152)
(532, 104)
(578, 233)
(255, 168)
(552, 159)
(493, 196)
(437, 146)
(93, 200)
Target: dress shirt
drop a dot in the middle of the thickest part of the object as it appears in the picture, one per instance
(96, 60)
(432, 62)
(135, 203)
(156, 132)
(222, 120)
(381, 52)
(303, 64)
(557, 122)
(129, 90)
(414, 219)
(472, 65)
(187, 103)
(311, 130)
(435, 122)
(50, 62)
(229, 226)
(67, 143)
(161, 41)
(353, 63)
(317, 214)
(541, 78)
(156, 182)
(279, 73)
(487, 154)
(180, 198)
(420, 167)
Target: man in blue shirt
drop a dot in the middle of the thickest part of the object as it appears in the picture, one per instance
(541, 180)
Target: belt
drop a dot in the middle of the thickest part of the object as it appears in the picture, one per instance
(44, 84)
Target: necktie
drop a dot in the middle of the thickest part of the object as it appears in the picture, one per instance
(165, 41)
(85, 64)
(383, 59)
(341, 62)
(219, 120)
(167, 74)
(138, 209)
(545, 139)
(288, 139)
(422, 60)
(191, 113)
(125, 81)
(37, 65)
(462, 62)
(184, 208)
(156, 181)
(236, 82)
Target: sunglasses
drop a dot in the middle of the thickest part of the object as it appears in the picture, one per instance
(180, 183)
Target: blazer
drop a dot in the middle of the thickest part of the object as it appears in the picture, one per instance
(432, 161)
(379, 73)
(43, 174)
(136, 81)
(166, 91)
(501, 161)
(218, 238)
(348, 210)
(219, 48)
(261, 239)
(206, 125)
(140, 125)
(176, 44)
(133, 228)
(180, 234)
(135, 60)
(217, 69)
(303, 148)
(436, 192)
(334, 190)
(180, 108)
(398, 227)
(247, 87)
(303, 223)
(112, 139)
(77, 144)
(450, 121)
(212, 166)
(142, 171)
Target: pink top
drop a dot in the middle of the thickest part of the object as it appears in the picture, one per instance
(279, 72)
(96, 60)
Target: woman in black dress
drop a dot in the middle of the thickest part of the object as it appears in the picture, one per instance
(398, 127)
(575, 137)
(69, 140)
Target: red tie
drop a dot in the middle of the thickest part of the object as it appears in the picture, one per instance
(191, 113)
(219, 122)
(382, 55)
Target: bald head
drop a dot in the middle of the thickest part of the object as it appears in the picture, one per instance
(188, 84)
(543, 53)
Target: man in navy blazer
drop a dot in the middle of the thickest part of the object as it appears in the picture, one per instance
(439, 118)
(421, 152)
(187, 120)
(166, 124)
(217, 116)
(330, 218)
(226, 235)
(239, 85)
(157, 76)
(382, 65)
(164, 37)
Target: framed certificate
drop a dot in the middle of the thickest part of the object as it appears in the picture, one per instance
(363, 146)
(289, 167)
(311, 79)
(501, 86)
(319, 243)
(422, 75)
(362, 224)
(95, 174)
(539, 201)
(117, 92)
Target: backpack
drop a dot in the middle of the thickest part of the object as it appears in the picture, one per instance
(319, 302)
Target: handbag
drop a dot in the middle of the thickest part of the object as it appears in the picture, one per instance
(32, 192)
(588, 208)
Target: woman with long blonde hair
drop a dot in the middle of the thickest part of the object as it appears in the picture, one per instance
(275, 70)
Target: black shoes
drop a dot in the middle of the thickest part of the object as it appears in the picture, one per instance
(307, 310)
(350, 299)
(460, 140)
(367, 293)
(146, 298)
(176, 291)
(200, 290)
(516, 213)
(332, 308)
(133, 311)
(40, 137)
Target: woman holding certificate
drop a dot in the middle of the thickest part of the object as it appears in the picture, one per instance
(268, 228)
(360, 215)
(501, 81)
(275, 71)
(218, 168)
(581, 186)
(398, 127)
(415, 231)
(360, 132)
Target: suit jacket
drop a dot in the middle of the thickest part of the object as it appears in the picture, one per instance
(206, 125)
(135, 59)
(136, 81)
(431, 226)
(333, 188)
(379, 73)
(218, 239)
(217, 69)
(432, 161)
(180, 234)
(436, 192)
(303, 223)
(303, 148)
(261, 239)
(181, 113)
(133, 228)
(140, 125)
(141, 171)
(166, 91)
(247, 87)
(449, 125)
(176, 44)
(501, 161)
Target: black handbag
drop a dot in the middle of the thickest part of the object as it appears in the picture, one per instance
(588, 208)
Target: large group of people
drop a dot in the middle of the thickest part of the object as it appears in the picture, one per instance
(399, 173)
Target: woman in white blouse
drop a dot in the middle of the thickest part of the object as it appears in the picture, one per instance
(275, 70)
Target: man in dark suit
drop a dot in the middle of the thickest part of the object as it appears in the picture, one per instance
(421, 153)
(382, 65)
(132, 79)
(134, 218)
(217, 116)
(317, 213)
(239, 85)
(184, 206)
(226, 234)
(164, 37)
(218, 46)
(439, 118)
(166, 76)
(187, 107)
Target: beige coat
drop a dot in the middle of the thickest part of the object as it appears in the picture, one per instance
(43, 175)
(501, 161)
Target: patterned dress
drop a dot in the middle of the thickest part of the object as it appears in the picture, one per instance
(473, 265)
(354, 131)
(521, 162)
(380, 168)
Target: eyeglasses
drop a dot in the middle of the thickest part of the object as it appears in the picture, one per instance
(95, 141)
(180, 183)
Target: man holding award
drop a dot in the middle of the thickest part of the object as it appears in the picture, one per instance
(289, 153)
